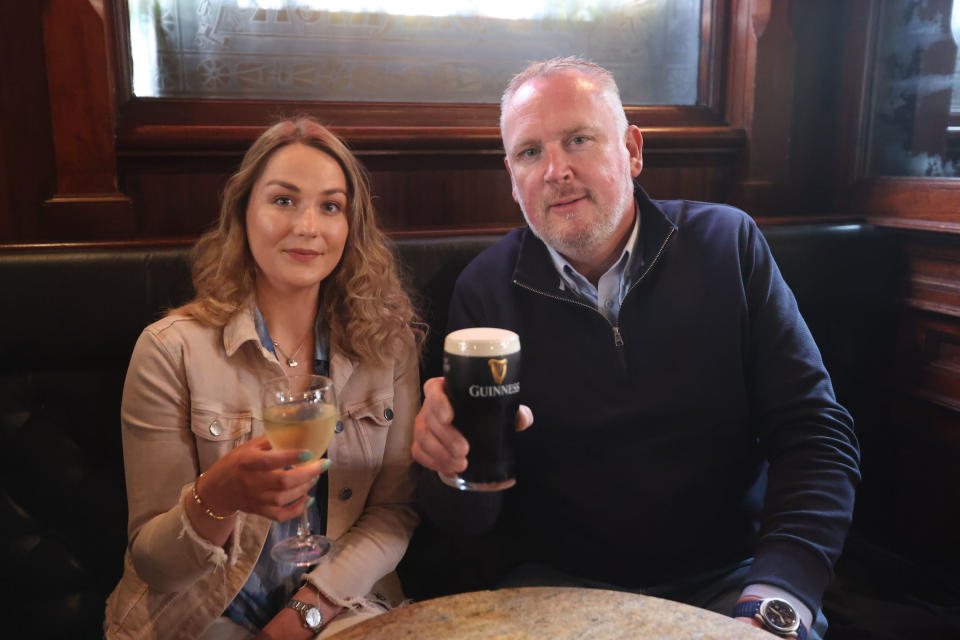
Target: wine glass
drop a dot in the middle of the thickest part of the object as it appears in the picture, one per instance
(300, 412)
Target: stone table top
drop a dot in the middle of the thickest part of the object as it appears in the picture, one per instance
(554, 613)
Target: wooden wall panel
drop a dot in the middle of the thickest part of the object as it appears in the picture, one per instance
(933, 274)
(177, 195)
(113, 167)
(79, 74)
(26, 145)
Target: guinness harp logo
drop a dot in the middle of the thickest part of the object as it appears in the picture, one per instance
(498, 369)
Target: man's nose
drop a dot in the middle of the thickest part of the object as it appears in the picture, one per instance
(558, 166)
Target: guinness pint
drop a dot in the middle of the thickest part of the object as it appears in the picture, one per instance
(481, 367)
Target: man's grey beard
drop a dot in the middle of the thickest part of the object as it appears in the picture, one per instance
(579, 246)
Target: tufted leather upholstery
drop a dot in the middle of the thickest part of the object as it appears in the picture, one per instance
(69, 321)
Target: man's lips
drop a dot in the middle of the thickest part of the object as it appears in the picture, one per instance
(566, 202)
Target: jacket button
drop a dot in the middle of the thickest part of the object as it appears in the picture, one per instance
(339, 427)
(346, 493)
(388, 413)
(215, 428)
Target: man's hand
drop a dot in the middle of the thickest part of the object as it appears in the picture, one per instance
(437, 444)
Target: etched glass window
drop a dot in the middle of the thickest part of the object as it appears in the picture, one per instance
(405, 50)
(915, 91)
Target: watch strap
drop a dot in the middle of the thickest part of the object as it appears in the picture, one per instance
(303, 608)
(751, 609)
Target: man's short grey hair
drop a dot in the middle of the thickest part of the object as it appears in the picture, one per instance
(555, 66)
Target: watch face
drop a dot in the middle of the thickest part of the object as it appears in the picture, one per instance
(780, 615)
(313, 617)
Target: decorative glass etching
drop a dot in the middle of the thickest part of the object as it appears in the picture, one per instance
(913, 91)
(405, 50)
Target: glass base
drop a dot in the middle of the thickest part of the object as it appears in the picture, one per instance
(466, 485)
(301, 552)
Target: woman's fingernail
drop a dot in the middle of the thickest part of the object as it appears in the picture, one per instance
(315, 480)
(310, 501)
(326, 465)
(305, 455)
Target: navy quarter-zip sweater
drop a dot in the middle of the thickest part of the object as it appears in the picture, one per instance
(700, 431)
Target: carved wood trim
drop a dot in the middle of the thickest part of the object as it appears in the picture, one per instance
(185, 241)
(931, 204)
(87, 202)
(80, 104)
(915, 224)
(931, 363)
(465, 140)
(932, 275)
(714, 15)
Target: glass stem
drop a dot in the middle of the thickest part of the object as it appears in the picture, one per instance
(303, 525)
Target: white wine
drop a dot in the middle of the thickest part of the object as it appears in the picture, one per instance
(300, 412)
(300, 425)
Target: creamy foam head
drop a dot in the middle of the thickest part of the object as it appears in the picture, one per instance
(481, 341)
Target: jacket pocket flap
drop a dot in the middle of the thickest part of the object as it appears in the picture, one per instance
(379, 412)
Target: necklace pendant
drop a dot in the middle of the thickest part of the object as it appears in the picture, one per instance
(291, 362)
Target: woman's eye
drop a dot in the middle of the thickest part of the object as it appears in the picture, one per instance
(332, 207)
(283, 201)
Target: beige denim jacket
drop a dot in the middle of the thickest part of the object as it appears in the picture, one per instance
(192, 393)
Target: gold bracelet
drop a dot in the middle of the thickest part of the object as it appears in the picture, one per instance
(205, 508)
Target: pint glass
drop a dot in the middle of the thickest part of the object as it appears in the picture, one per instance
(481, 366)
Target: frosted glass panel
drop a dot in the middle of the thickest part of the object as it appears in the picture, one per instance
(405, 50)
(914, 99)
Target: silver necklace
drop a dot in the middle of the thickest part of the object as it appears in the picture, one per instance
(291, 362)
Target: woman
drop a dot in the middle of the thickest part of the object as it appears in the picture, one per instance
(295, 267)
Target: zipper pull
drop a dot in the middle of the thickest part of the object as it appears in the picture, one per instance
(617, 338)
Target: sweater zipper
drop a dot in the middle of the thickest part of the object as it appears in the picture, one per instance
(618, 342)
(617, 338)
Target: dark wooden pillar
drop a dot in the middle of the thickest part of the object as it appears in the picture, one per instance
(86, 203)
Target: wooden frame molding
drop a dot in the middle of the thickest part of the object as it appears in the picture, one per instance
(87, 201)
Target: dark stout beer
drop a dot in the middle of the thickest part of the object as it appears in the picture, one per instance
(481, 366)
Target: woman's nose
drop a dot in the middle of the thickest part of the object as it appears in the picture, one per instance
(308, 222)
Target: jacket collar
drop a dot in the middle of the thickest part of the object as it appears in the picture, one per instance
(241, 328)
(535, 269)
(341, 367)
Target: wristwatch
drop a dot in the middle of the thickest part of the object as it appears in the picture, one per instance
(310, 616)
(775, 614)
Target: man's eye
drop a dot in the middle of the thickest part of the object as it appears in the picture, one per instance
(283, 201)
(529, 153)
(579, 139)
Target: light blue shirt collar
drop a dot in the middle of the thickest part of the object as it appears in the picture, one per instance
(613, 285)
(320, 344)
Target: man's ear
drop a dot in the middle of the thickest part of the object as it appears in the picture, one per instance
(634, 141)
(513, 183)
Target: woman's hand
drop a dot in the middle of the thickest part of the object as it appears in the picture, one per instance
(255, 479)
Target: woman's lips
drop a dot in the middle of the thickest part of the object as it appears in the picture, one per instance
(302, 255)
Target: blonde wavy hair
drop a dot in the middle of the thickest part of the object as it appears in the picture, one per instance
(366, 312)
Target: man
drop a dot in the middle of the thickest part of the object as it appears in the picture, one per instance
(688, 442)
